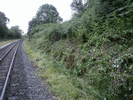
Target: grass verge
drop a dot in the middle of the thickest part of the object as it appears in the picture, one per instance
(6, 42)
(61, 84)
(84, 75)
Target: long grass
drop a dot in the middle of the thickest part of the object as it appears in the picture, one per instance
(61, 84)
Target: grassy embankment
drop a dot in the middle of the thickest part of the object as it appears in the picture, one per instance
(61, 84)
(74, 74)
(89, 57)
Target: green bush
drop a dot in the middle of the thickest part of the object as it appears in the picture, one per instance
(95, 47)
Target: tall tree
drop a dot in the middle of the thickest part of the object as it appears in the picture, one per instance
(47, 14)
(3, 18)
(16, 31)
(3, 27)
(32, 24)
(78, 7)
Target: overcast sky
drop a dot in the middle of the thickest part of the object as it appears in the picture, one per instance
(20, 12)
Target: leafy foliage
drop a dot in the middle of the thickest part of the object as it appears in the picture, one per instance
(45, 14)
(14, 32)
(3, 27)
(95, 47)
(78, 7)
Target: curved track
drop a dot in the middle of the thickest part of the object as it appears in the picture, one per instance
(5, 50)
(17, 76)
(7, 56)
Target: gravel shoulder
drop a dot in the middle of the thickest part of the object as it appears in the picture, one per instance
(36, 89)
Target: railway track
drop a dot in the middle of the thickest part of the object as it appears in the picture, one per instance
(6, 49)
(17, 76)
(9, 68)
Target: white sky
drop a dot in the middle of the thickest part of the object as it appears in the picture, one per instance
(20, 12)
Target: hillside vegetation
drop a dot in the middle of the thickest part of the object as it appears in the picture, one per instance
(89, 56)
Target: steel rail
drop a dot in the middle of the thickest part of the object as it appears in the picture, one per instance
(7, 52)
(9, 71)
(7, 44)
